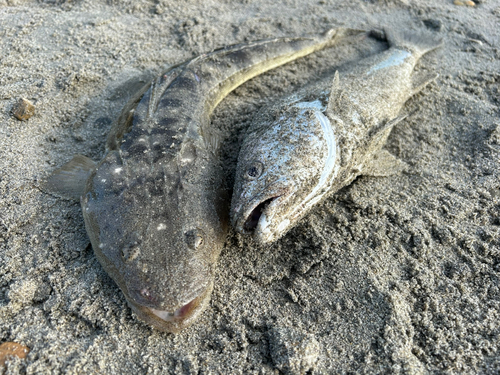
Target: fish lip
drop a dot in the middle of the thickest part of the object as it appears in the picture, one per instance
(180, 318)
(275, 197)
(181, 313)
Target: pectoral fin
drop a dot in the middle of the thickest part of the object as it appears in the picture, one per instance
(69, 180)
(383, 164)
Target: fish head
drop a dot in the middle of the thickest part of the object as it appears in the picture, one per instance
(160, 247)
(284, 166)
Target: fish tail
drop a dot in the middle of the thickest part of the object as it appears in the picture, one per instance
(417, 42)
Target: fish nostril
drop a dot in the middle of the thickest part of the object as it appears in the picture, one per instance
(194, 238)
(146, 294)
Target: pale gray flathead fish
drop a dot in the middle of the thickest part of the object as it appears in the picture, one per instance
(155, 207)
(309, 145)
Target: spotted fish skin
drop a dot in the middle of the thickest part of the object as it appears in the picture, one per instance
(309, 145)
(155, 207)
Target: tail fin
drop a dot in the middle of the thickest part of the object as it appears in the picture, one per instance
(418, 42)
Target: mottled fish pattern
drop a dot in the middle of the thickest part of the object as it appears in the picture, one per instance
(309, 145)
(155, 207)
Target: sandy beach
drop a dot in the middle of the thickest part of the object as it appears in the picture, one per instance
(393, 275)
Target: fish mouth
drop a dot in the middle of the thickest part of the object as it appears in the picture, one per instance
(181, 313)
(254, 218)
(175, 320)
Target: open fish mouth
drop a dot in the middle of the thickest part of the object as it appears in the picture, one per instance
(255, 217)
(181, 313)
(178, 319)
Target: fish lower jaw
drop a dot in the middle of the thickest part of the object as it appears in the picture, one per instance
(165, 315)
(263, 221)
(267, 235)
(172, 316)
(183, 312)
(255, 217)
(258, 211)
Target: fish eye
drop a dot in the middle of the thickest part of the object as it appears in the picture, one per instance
(194, 238)
(254, 170)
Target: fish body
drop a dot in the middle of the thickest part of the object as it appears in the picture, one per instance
(155, 207)
(309, 145)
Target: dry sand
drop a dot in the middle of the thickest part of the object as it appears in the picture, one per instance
(390, 275)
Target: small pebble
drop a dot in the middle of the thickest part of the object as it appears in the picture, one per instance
(468, 3)
(23, 109)
(12, 349)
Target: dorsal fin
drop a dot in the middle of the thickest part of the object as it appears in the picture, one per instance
(336, 94)
(336, 80)
(212, 138)
(340, 105)
(148, 103)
